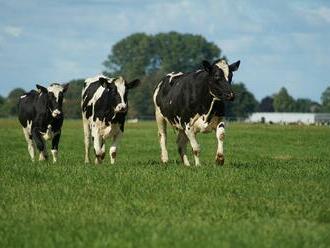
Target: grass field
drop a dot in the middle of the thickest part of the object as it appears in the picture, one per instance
(273, 191)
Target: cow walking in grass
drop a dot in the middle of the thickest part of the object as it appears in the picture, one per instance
(40, 113)
(104, 108)
(194, 102)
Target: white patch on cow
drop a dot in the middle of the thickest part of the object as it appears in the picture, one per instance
(97, 95)
(173, 75)
(54, 154)
(94, 79)
(121, 88)
(23, 96)
(222, 64)
(55, 89)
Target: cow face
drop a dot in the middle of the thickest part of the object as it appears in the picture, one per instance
(221, 75)
(118, 89)
(55, 93)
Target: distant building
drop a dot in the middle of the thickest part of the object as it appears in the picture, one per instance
(287, 118)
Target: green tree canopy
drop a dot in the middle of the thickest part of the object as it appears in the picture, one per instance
(140, 54)
(244, 103)
(283, 102)
(72, 98)
(266, 104)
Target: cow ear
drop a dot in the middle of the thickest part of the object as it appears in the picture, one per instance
(41, 88)
(65, 87)
(133, 84)
(234, 66)
(104, 82)
(207, 66)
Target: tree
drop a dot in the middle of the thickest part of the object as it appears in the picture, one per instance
(72, 99)
(10, 106)
(266, 104)
(244, 103)
(283, 102)
(303, 105)
(325, 100)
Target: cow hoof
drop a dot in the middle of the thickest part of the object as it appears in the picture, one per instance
(220, 159)
(102, 156)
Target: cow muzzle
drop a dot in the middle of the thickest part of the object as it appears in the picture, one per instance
(121, 108)
(230, 96)
(56, 113)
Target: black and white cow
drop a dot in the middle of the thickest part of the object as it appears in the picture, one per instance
(194, 102)
(40, 114)
(104, 108)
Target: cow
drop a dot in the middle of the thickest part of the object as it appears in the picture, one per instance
(104, 107)
(193, 102)
(41, 116)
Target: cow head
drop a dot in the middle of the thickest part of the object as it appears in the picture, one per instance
(221, 75)
(118, 89)
(54, 93)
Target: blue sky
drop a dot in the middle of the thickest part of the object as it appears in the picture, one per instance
(279, 42)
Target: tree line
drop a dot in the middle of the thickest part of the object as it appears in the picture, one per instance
(150, 57)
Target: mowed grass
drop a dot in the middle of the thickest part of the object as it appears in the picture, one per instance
(273, 191)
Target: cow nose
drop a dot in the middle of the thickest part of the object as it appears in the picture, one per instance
(56, 113)
(121, 108)
(231, 96)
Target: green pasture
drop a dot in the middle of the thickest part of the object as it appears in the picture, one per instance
(273, 191)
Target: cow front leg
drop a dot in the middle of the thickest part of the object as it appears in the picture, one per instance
(99, 146)
(29, 141)
(113, 148)
(182, 141)
(161, 123)
(189, 131)
(40, 143)
(55, 142)
(220, 134)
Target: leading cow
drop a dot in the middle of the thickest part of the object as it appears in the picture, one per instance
(40, 114)
(194, 102)
(104, 109)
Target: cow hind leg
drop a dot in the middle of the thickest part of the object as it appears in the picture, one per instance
(182, 141)
(220, 134)
(194, 144)
(40, 143)
(99, 147)
(28, 138)
(161, 123)
(87, 138)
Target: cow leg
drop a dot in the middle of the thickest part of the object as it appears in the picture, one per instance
(40, 143)
(113, 148)
(99, 146)
(182, 141)
(28, 138)
(87, 138)
(194, 144)
(220, 134)
(161, 123)
(55, 142)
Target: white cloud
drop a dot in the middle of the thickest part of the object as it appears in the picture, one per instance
(13, 31)
(320, 15)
